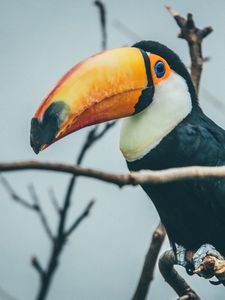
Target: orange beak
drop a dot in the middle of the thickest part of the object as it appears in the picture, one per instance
(104, 87)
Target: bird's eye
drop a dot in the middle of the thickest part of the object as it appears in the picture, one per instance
(159, 69)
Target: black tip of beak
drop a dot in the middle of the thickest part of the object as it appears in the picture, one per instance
(35, 133)
(44, 131)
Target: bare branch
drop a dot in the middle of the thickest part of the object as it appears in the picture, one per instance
(37, 266)
(150, 262)
(35, 206)
(107, 126)
(91, 138)
(15, 196)
(40, 211)
(61, 236)
(166, 266)
(194, 37)
(82, 216)
(133, 178)
(102, 15)
(54, 200)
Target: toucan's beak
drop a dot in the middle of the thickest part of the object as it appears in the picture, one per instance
(104, 87)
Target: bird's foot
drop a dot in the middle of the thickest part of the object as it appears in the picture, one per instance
(181, 257)
(204, 264)
(202, 252)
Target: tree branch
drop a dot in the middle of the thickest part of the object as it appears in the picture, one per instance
(149, 264)
(54, 201)
(133, 178)
(78, 221)
(37, 266)
(102, 15)
(166, 266)
(40, 211)
(15, 196)
(194, 37)
(62, 234)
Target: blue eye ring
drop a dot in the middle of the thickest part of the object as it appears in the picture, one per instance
(159, 69)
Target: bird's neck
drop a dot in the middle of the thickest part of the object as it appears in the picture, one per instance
(142, 132)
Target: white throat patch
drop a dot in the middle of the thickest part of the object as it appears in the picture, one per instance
(142, 132)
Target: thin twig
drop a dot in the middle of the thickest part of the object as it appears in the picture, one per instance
(15, 196)
(54, 200)
(35, 206)
(102, 15)
(149, 264)
(81, 217)
(62, 234)
(37, 266)
(40, 211)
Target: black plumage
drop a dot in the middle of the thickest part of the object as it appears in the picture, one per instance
(193, 211)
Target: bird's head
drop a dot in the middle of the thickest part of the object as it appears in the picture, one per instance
(113, 84)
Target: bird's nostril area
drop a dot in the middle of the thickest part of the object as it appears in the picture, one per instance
(44, 131)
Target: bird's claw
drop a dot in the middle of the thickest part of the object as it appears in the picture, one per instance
(202, 262)
(202, 252)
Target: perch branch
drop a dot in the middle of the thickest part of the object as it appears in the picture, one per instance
(133, 178)
(166, 266)
(150, 262)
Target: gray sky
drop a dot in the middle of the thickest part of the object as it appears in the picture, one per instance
(40, 41)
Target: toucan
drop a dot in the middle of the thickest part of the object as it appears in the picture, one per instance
(164, 127)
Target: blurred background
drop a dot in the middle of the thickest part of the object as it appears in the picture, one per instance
(40, 41)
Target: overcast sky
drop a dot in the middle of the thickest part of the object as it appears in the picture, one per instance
(40, 41)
